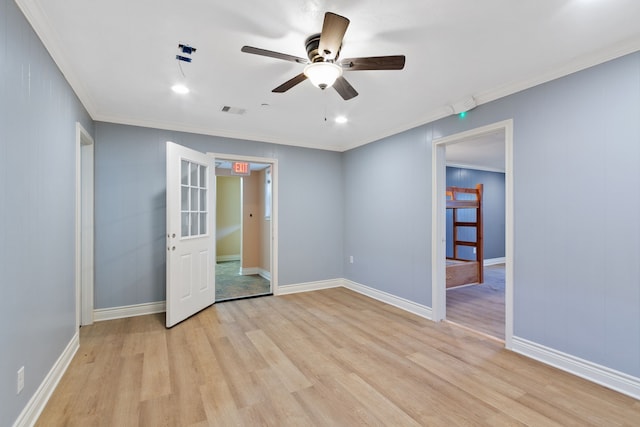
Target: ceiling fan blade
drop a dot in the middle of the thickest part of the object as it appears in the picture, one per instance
(344, 88)
(333, 30)
(272, 54)
(290, 83)
(395, 62)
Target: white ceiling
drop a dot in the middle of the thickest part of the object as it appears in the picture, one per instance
(119, 56)
(484, 152)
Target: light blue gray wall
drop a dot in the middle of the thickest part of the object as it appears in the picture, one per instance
(38, 113)
(493, 212)
(388, 215)
(577, 198)
(130, 210)
(577, 183)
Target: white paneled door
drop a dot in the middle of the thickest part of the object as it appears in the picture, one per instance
(190, 232)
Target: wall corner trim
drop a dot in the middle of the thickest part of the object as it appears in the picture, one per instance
(129, 311)
(598, 374)
(404, 304)
(38, 401)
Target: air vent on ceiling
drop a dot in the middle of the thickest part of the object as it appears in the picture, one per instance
(233, 110)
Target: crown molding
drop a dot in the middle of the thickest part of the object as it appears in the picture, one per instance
(621, 49)
(51, 41)
(222, 133)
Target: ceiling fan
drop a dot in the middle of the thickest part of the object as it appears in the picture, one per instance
(323, 68)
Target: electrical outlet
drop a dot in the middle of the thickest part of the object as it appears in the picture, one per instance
(351, 259)
(20, 380)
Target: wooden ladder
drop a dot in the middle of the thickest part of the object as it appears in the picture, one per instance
(455, 203)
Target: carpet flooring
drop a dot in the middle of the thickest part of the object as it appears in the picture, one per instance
(480, 307)
(230, 284)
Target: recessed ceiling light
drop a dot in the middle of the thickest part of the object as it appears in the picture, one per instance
(180, 88)
(341, 119)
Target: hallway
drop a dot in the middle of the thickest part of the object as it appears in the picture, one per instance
(230, 284)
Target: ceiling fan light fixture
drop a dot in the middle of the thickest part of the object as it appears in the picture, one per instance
(323, 74)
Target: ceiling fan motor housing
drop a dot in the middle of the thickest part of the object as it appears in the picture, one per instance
(313, 53)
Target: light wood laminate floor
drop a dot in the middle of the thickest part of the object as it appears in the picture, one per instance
(480, 307)
(326, 358)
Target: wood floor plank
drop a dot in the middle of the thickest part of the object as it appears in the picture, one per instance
(323, 358)
(160, 411)
(219, 404)
(375, 402)
(505, 402)
(420, 392)
(156, 381)
(237, 375)
(290, 376)
(186, 375)
(280, 407)
(127, 400)
(327, 403)
(133, 344)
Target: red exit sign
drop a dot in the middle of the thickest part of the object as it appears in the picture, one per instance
(240, 168)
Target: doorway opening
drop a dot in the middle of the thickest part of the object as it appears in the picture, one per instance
(463, 161)
(244, 227)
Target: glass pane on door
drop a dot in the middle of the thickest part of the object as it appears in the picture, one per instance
(193, 199)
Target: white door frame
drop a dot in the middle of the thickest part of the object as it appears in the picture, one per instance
(274, 207)
(84, 220)
(438, 241)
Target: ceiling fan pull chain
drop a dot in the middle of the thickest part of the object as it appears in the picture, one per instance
(325, 105)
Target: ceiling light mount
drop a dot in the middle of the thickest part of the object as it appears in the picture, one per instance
(180, 89)
(184, 55)
(185, 49)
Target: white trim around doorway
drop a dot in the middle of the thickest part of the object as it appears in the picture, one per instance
(438, 242)
(274, 207)
(84, 265)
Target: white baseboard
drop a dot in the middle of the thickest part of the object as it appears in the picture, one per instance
(306, 287)
(598, 374)
(405, 304)
(494, 261)
(265, 274)
(252, 271)
(129, 311)
(38, 401)
(224, 258)
(249, 271)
